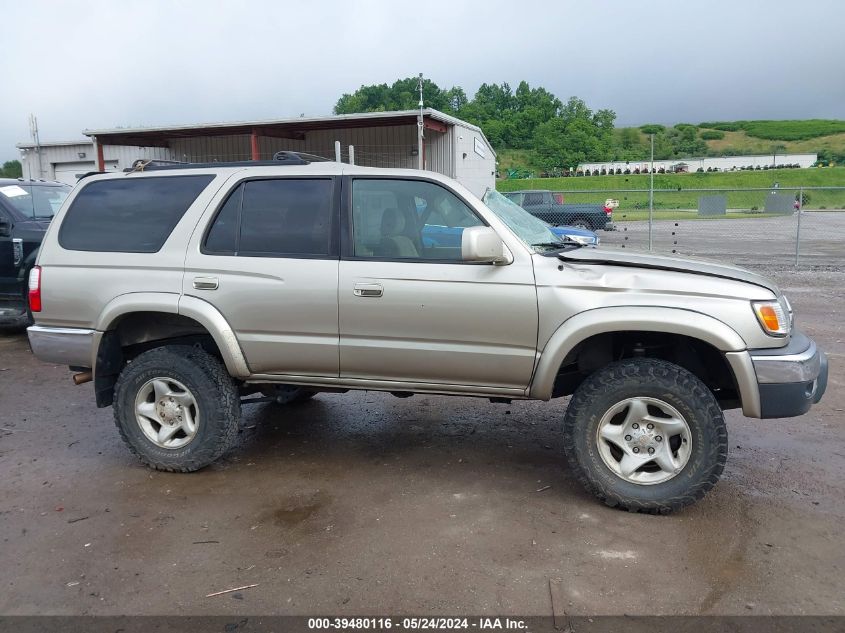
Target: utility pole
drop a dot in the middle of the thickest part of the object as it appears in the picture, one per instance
(651, 194)
(420, 145)
(33, 132)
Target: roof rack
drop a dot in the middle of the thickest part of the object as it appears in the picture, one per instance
(279, 158)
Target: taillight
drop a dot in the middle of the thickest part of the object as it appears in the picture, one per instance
(35, 289)
(608, 210)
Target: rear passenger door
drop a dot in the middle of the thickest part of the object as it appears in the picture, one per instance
(267, 259)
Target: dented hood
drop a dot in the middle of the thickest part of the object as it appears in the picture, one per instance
(634, 259)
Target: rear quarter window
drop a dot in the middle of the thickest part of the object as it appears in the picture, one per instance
(132, 215)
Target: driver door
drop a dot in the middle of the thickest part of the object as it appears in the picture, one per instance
(410, 310)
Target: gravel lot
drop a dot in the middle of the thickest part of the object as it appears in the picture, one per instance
(367, 504)
(760, 243)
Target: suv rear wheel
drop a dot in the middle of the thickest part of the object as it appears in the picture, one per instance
(645, 435)
(583, 224)
(177, 408)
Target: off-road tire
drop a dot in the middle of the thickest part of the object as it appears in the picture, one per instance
(645, 377)
(216, 396)
(582, 223)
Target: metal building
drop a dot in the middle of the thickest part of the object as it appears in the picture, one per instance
(380, 139)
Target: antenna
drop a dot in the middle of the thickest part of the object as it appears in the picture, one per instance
(33, 132)
(420, 143)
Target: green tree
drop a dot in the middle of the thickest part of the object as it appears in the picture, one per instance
(12, 169)
(576, 136)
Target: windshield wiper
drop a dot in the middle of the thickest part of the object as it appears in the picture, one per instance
(558, 245)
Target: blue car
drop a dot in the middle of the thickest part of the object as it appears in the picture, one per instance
(450, 236)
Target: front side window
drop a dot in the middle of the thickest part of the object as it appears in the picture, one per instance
(408, 219)
(129, 215)
(280, 217)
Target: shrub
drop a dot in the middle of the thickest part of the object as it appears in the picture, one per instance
(712, 135)
(652, 128)
(727, 126)
(700, 170)
(627, 171)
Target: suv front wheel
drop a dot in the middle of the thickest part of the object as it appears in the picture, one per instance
(645, 435)
(177, 408)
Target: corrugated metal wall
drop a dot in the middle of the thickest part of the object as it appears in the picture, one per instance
(440, 151)
(210, 149)
(117, 157)
(388, 146)
(477, 173)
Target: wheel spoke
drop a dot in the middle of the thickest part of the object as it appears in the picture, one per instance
(665, 459)
(166, 432)
(189, 425)
(161, 389)
(147, 409)
(613, 432)
(630, 463)
(637, 411)
(183, 397)
(670, 426)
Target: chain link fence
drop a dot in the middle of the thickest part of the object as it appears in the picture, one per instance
(771, 228)
(765, 228)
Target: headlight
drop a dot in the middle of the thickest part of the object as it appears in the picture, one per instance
(772, 317)
(582, 239)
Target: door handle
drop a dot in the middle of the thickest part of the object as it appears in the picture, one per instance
(368, 290)
(205, 283)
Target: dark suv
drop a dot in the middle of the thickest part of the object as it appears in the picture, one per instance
(550, 207)
(26, 208)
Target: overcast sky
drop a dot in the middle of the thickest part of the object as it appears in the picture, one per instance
(90, 64)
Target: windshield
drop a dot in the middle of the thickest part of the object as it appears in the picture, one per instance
(533, 231)
(35, 201)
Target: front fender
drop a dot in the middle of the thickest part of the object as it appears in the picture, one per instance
(627, 318)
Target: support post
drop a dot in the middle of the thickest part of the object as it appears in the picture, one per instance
(101, 159)
(798, 225)
(651, 196)
(253, 145)
(337, 156)
(351, 154)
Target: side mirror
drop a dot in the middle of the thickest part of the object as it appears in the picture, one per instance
(483, 244)
(5, 228)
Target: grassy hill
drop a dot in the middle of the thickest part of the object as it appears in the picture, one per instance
(735, 138)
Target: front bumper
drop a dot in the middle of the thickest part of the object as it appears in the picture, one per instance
(790, 379)
(64, 346)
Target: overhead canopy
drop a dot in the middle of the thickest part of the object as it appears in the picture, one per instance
(278, 128)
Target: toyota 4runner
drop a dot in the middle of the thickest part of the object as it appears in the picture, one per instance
(180, 290)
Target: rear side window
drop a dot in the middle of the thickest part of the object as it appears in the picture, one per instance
(132, 215)
(287, 217)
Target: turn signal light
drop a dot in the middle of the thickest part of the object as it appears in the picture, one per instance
(772, 318)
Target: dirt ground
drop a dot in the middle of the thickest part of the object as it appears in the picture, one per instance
(367, 504)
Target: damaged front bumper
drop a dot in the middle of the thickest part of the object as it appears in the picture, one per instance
(790, 379)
